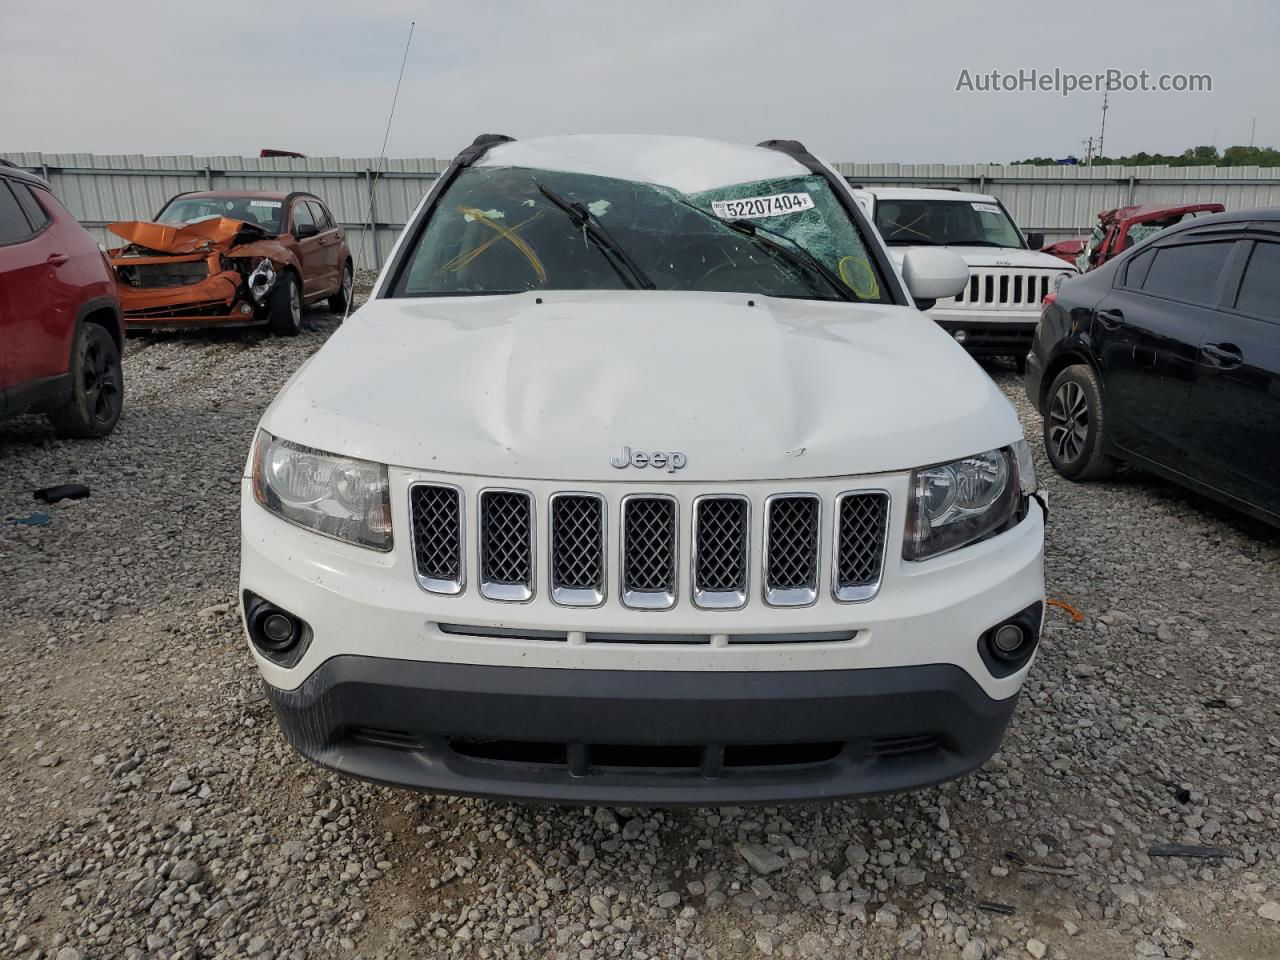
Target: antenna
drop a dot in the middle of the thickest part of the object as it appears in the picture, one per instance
(369, 226)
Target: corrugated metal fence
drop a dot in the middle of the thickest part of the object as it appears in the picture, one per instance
(104, 188)
(1060, 201)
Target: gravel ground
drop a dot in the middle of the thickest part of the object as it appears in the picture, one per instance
(150, 808)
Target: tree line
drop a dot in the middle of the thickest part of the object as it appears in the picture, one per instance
(1191, 157)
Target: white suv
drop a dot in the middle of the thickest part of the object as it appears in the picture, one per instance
(997, 313)
(640, 479)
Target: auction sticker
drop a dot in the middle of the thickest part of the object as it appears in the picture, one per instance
(985, 207)
(264, 203)
(774, 205)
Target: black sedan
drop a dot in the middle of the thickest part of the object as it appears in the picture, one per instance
(1168, 357)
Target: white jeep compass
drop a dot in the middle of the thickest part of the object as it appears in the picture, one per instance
(642, 479)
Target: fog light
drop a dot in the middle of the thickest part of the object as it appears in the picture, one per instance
(960, 336)
(245, 309)
(1008, 638)
(278, 628)
(278, 635)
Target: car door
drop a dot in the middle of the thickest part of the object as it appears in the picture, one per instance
(39, 292)
(1147, 333)
(330, 244)
(1236, 395)
(310, 248)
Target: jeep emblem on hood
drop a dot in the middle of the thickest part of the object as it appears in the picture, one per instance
(672, 460)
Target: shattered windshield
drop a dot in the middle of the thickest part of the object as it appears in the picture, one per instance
(498, 230)
(264, 213)
(943, 222)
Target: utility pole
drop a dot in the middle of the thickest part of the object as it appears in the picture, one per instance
(1102, 135)
(1253, 128)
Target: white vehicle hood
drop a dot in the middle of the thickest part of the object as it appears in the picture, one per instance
(507, 386)
(1012, 257)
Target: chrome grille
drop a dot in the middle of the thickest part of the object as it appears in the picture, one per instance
(577, 549)
(506, 545)
(649, 536)
(720, 538)
(791, 549)
(1000, 288)
(579, 535)
(436, 513)
(862, 520)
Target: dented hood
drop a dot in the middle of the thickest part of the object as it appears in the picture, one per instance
(554, 384)
(203, 236)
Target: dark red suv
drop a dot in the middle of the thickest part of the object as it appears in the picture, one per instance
(61, 332)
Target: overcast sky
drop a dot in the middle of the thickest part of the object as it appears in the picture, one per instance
(855, 81)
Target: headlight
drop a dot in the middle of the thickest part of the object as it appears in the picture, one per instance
(955, 504)
(1061, 278)
(341, 497)
(261, 280)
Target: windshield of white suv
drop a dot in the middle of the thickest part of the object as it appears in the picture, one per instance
(513, 229)
(946, 222)
(263, 213)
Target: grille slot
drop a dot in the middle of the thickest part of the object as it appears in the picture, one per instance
(861, 524)
(506, 545)
(436, 513)
(577, 549)
(791, 549)
(649, 537)
(720, 550)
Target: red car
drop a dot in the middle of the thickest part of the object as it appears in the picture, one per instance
(61, 331)
(1119, 229)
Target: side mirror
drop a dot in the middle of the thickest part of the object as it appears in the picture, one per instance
(304, 230)
(1035, 240)
(933, 275)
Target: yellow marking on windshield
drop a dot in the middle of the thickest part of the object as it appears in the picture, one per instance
(503, 233)
(856, 272)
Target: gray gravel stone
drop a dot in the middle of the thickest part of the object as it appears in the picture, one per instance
(108, 661)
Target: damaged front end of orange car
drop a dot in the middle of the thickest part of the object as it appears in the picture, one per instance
(216, 272)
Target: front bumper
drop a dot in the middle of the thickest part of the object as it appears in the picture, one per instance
(642, 737)
(1012, 338)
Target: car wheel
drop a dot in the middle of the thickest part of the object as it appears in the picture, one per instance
(284, 308)
(1075, 425)
(338, 302)
(97, 390)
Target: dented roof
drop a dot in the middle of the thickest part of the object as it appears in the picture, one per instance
(687, 164)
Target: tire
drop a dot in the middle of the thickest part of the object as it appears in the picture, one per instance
(1075, 425)
(284, 306)
(97, 391)
(1020, 364)
(338, 302)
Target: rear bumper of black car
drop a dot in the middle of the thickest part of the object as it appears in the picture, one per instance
(633, 737)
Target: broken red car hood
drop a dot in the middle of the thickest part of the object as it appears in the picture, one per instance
(218, 232)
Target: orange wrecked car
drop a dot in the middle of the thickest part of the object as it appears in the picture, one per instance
(231, 258)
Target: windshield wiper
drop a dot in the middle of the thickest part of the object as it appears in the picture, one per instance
(591, 225)
(800, 256)
(981, 243)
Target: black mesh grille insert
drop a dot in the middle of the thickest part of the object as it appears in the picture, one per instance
(722, 545)
(577, 545)
(860, 553)
(506, 553)
(437, 532)
(649, 545)
(792, 561)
